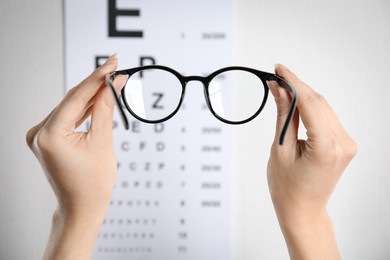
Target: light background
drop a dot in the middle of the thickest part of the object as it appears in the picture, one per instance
(338, 47)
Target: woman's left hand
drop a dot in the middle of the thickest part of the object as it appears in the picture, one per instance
(80, 166)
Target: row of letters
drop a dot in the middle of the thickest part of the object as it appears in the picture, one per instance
(161, 166)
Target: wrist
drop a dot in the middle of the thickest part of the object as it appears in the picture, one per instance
(73, 217)
(294, 215)
(309, 234)
(73, 235)
(78, 212)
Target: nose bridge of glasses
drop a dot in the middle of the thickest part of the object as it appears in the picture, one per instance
(203, 81)
(195, 78)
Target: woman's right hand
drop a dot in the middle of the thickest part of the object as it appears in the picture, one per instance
(302, 174)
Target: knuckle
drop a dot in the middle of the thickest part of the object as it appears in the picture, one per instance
(110, 107)
(101, 72)
(30, 136)
(314, 97)
(39, 140)
(346, 149)
(282, 106)
(44, 140)
(109, 103)
(74, 95)
(72, 92)
(350, 148)
(313, 100)
(320, 98)
(338, 150)
(331, 152)
(282, 110)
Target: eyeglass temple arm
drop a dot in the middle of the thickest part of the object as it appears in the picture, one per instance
(109, 82)
(289, 87)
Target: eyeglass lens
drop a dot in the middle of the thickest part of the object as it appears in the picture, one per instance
(236, 95)
(154, 94)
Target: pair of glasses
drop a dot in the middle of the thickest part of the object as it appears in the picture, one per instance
(234, 95)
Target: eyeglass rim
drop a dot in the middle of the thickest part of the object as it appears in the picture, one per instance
(205, 81)
(263, 76)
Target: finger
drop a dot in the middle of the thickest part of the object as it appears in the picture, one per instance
(89, 107)
(85, 116)
(103, 108)
(75, 104)
(311, 106)
(283, 102)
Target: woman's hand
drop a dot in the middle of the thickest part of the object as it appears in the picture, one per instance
(302, 174)
(80, 166)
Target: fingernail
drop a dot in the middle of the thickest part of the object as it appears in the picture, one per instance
(273, 87)
(279, 67)
(111, 59)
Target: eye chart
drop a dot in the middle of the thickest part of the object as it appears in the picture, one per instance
(171, 198)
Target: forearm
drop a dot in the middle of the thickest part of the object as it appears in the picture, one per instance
(72, 236)
(309, 237)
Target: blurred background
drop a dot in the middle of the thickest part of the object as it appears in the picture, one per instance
(340, 48)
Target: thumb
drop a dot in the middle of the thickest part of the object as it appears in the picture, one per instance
(103, 107)
(283, 102)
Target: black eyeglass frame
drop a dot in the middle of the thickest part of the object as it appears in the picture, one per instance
(263, 76)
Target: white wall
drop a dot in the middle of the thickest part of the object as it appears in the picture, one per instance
(338, 47)
(341, 48)
(31, 68)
